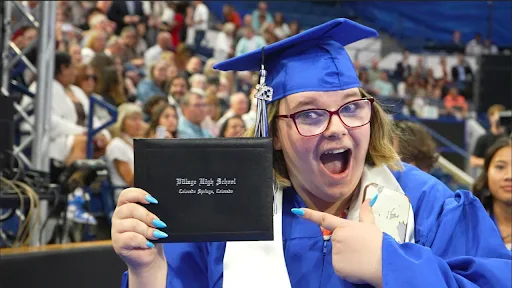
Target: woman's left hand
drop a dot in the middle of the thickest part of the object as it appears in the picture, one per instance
(356, 246)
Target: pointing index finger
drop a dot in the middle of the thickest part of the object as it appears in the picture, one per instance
(327, 221)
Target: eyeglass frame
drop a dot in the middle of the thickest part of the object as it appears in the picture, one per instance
(331, 113)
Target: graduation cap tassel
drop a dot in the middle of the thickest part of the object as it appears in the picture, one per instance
(264, 93)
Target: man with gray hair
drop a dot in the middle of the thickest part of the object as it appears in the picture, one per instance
(193, 107)
(238, 105)
(154, 53)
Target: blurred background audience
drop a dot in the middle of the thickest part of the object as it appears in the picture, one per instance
(152, 61)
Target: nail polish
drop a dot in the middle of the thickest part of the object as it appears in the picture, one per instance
(159, 234)
(159, 223)
(151, 199)
(298, 211)
(374, 199)
(149, 244)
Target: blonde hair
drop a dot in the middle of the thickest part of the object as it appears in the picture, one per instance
(96, 19)
(209, 72)
(494, 109)
(168, 56)
(380, 148)
(113, 40)
(228, 27)
(93, 36)
(124, 110)
(195, 79)
(212, 100)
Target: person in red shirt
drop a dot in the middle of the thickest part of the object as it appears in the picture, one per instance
(179, 21)
(231, 15)
(176, 26)
(456, 104)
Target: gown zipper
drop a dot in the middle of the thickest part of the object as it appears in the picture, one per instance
(326, 240)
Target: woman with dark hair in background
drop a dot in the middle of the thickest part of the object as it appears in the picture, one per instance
(166, 116)
(415, 146)
(233, 127)
(494, 187)
(86, 79)
(110, 83)
(150, 107)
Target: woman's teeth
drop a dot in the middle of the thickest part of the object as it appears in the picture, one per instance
(335, 151)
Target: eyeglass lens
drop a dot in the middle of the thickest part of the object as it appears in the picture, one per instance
(353, 114)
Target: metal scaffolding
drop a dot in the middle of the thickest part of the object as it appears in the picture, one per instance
(44, 69)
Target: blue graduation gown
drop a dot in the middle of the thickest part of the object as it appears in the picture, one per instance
(457, 245)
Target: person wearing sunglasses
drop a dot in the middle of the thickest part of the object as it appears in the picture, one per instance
(332, 141)
(87, 79)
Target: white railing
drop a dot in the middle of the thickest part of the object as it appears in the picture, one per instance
(458, 174)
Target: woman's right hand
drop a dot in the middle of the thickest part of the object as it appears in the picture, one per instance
(133, 226)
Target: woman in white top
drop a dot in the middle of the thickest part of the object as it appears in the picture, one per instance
(96, 43)
(281, 29)
(223, 48)
(69, 116)
(119, 152)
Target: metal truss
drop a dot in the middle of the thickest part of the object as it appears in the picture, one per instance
(38, 135)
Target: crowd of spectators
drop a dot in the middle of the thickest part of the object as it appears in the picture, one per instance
(149, 61)
(435, 90)
(428, 92)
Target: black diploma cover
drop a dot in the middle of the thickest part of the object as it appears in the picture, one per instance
(209, 190)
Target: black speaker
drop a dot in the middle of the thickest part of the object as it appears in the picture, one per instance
(6, 130)
(71, 266)
(495, 81)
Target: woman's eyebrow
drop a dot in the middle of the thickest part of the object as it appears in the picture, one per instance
(500, 161)
(353, 94)
(305, 102)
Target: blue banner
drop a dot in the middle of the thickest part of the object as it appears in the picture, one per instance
(436, 21)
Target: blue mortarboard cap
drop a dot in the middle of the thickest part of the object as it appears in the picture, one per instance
(314, 60)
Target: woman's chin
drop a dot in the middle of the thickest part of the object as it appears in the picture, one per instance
(333, 194)
(338, 186)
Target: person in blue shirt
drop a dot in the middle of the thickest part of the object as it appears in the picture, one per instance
(332, 141)
(193, 107)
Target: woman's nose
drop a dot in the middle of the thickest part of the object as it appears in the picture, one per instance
(508, 174)
(336, 128)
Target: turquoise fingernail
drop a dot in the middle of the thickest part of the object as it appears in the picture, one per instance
(149, 244)
(151, 199)
(159, 223)
(298, 211)
(373, 200)
(159, 234)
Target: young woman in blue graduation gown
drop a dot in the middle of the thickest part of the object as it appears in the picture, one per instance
(330, 140)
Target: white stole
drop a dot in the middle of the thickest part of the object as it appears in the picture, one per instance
(262, 264)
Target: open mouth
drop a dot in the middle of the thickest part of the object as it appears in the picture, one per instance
(336, 161)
